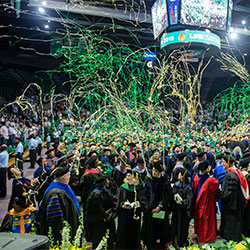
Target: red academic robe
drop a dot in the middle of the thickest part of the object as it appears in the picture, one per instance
(205, 225)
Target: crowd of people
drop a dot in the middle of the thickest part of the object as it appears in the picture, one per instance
(147, 190)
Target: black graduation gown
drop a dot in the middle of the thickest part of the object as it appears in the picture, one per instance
(232, 207)
(158, 192)
(128, 233)
(99, 205)
(246, 216)
(182, 215)
(65, 209)
(116, 179)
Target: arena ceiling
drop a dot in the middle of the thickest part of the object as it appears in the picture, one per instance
(131, 19)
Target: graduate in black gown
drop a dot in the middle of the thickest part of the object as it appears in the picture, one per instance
(232, 201)
(59, 204)
(156, 217)
(183, 207)
(131, 202)
(118, 175)
(99, 213)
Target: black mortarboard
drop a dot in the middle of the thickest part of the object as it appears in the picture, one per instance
(201, 154)
(132, 144)
(203, 165)
(158, 166)
(219, 156)
(140, 160)
(91, 161)
(181, 156)
(129, 171)
(100, 180)
(111, 156)
(61, 171)
(229, 158)
(106, 149)
(91, 153)
(192, 147)
(49, 150)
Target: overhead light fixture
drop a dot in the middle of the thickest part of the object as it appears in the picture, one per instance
(243, 22)
(44, 3)
(42, 10)
(48, 21)
(46, 26)
(245, 54)
(231, 29)
(233, 35)
(208, 31)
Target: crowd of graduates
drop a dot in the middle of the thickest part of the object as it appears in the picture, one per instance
(144, 190)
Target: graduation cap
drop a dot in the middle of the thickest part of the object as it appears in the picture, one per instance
(192, 147)
(229, 158)
(158, 166)
(106, 150)
(132, 144)
(101, 180)
(140, 160)
(49, 151)
(111, 156)
(203, 165)
(219, 156)
(201, 154)
(181, 156)
(91, 153)
(91, 161)
(61, 171)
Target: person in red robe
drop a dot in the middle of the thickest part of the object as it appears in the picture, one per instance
(206, 191)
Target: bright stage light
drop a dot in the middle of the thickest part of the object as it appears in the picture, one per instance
(233, 35)
(42, 10)
(232, 29)
(243, 22)
(46, 26)
(44, 3)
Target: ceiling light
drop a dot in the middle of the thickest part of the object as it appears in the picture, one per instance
(46, 26)
(208, 31)
(42, 10)
(245, 54)
(243, 22)
(233, 35)
(232, 29)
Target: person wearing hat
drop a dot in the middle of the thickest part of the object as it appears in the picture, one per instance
(20, 218)
(99, 211)
(200, 157)
(106, 153)
(19, 154)
(118, 175)
(141, 168)
(182, 207)
(4, 159)
(191, 157)
(206, 193)
(173, 159)
(59, 204)
(131, 201)
(210, 156)
(132, 148)
(50, 157)
(180, 162)
(156, 217)
(89, 178)
(110, 164)
(234, 195)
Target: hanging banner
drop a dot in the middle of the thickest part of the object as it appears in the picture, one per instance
(173, 10)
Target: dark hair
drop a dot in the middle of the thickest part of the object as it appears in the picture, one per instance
(21, 201)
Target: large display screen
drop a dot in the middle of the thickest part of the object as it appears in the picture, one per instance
(205, 13)
(159, 17)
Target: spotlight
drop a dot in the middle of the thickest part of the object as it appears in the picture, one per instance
(243, 22)
(232, 29)
(208, 31)
(46, 26)
(44, 3)
(245, 54)
(233, 35)
(42, 10)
